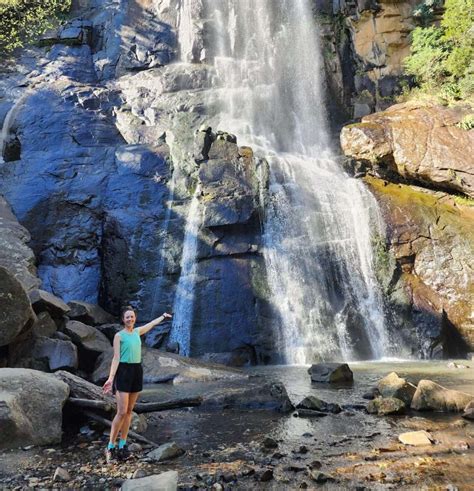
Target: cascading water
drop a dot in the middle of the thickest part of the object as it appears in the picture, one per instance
(184, 298)
(318, 225)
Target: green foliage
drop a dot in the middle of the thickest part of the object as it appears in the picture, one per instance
(463, 200)
(23, 21)
(441, 58)
(425, 11)
(467, 123)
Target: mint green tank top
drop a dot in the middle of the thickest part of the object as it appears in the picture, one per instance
(130, 347)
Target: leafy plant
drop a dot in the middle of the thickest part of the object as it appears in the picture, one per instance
(23, 21)
(467, 123)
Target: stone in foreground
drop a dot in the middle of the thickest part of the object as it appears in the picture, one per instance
(331, 373)
(165, 452)
(384, 406)
(167, 481)
(315, 404)
(31, 405)
(394, 386)
(430, 396)
(416, 438)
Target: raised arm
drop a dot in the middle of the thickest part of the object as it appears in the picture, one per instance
(113, 367)
(148, 327)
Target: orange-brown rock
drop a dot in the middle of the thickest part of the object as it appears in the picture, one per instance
(422, 144)
(432, 239)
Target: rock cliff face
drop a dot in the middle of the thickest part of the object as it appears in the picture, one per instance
(101, 163)
(430, 234)
(365, 44)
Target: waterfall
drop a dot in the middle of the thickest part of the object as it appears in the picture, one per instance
(319, 222)
(184, 298)
(7, 123)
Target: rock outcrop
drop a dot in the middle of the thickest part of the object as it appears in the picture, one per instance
(31, 405)
(437, 159)
(430, 396)
(396, 387)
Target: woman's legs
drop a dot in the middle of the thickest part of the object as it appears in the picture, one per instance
(122, 399)
(132, 399)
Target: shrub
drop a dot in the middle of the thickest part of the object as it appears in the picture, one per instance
(23, 21)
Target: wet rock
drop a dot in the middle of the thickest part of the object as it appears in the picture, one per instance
(269, 443)
(416, 438)
(394, 386)
(315, 404)
(331, 373)
(321, 477)
(310, 413)
(31, 405)
(45, 301)
(16, 314)
(61, 475)
(430, 396)
(266, 475)
(88, 313)
(371, 394)
(165, 452)
(386, 405)
(166, 481)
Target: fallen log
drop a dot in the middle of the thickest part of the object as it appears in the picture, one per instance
(82, 389)
(91, 404)
(149, 407)
(108, 423)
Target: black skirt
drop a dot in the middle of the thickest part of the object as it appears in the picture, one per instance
(129, 378)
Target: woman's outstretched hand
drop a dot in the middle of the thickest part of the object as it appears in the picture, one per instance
(167, 316)
(107, 387)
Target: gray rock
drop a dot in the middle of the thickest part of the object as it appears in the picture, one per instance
(16, 314)
(90, 342)
(61, 475)
(315, 404)
(394, 386)
(165, 452)
(430, 396)
(44, 301)
(44, 325)
(31, 405)
(166, 481)
(15, 255)
(386, 405)
(88, 313)
(331, 373)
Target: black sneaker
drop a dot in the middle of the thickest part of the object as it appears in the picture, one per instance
(123, 453)
(111, 455)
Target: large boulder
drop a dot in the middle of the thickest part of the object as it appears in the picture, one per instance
(394, 386)
(331, 373)
(41, 353)
(44, 325)
(159, 366)
(89, 313)
(15, 255)
(31, 405)
(384, 141)
(430, 396)
(16, 314)
(90, 342)
(44, 301)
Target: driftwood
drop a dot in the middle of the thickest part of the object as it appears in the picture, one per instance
(108, 423)
(91, 404)
(149, 407)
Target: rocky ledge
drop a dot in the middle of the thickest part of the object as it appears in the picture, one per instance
(420, 144)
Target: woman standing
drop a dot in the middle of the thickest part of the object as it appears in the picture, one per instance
(126, 378)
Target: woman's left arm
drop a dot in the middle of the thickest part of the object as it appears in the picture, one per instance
(148, 327)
